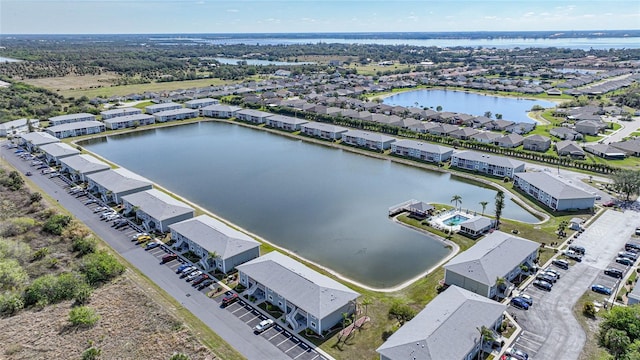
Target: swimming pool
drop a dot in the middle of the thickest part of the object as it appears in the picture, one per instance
(455, 220)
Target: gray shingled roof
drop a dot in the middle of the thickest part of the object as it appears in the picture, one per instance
(287, 119)
(631, 146)
(214, 235)
(486, 135)
(489, 159)
(427, 147)
(120, 180)
(127, 118)
(70, 117)
(75, 126)
(161, 106)
(324, 127)
(39, 138)
(492, 257)
(447, 328)
(124, 111)
(222, 107)
(315, 293)
(59, 149)
(84, 163)
(252, 112)
(477, 223)
(553, 185)
(371, 136)
(157, 204)
(176, 112)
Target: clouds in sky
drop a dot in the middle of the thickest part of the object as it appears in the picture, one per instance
(249, 16)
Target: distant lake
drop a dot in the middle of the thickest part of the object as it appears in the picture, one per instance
(6, 59)
(469, 103)
(231, 61)
(327, 205)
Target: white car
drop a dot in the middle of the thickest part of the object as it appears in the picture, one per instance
(263, 325)
(194, 275)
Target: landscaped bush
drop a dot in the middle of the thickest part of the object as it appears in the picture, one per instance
(84, 246)
(100, 267)
(56, 223)
(589, 310)
(83, 316)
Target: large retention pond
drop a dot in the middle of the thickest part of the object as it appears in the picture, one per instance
(512, 109)
(327, 205)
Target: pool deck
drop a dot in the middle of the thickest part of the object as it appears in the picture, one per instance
(438, 221)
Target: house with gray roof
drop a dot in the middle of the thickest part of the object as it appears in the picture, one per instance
(76, 129)
(487, 163)
(200, 103)
(443, 129)
(421, 151)
(565, 133)
(286, 123)
(634, 296)
(605, 151)
(630, 147)
(570, 148)
(486, 137)
(476, 226)
(129, 121)
(369, 140)
(79, 166)
(55, 151)
(536, 143)
(323, 130)
(34, 140)
(423, 127)
(218, 245)
(111, 185)
(447, 328)
(496, 256)
(590, 127)
(155, 108)
(70, 118)
(16, 127)
(553, 192)
(156, 210)
(176, 114)
(220, 111)
(510, 141)
(253, 116)
(500, 125)
(127, 111)
(308, 299)
(463, 133)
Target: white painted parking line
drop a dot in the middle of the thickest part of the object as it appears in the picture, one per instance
(236, 310)
(245, 314)
(293, 347)
(271, 338)
(283, 341)
(302, 353)
(250, 320)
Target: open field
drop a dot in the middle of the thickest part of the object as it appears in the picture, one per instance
(71, 82)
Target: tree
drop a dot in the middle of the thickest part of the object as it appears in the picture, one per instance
(488, 114)
(499, 207)
(619, 329)
(438, 108)
(499, 116)
(562, 227)
(501, 283)
(617, 342)
(484, 205)
(212, 258)
(366, 302)
(485, 335)
(401, 312)
(626, 182)
(457, 199)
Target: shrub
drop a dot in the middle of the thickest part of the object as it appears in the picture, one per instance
(56, 223)
(179, 356)
(83, 293)
(17, 226)
(83, 316)
(401, 312)
(100, 267)
(589, 310)
(91, 353)
(15, 250)
(12, 274)
(35, 197)
(50, 289)
(84, 246)
(10, 303)
(40, 253)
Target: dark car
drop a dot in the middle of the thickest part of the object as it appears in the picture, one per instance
(152, 245)
(544, 277)
(632, 246)
(562, 264)
(616, 273)
(182, 268)
(577, 249)
(629, 255)
(228, 300)
(542, 285)
(601, 289)
(624, 261)
(520, 303)
(200, 279)
(168, 257)
(204, 284)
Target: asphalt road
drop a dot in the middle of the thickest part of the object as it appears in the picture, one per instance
(550, 329)
(234, 332)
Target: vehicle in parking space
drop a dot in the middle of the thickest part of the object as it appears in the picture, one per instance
(547, 278)
(229, 299)
(142, 239)
(28, 173)
(90, 201)
(204, 284)
(200, 279)
(601, 289)
(624, 261)
(193, 275)
(263, 325)
(99, 209)
(519, 303)
(54, 174)
(573, 255)
(120, 223)
(543, 285)
(550, 270)
(609, 203)
(152, 245)
(577, 249)
(111, 217)
(182, 268)
(628, 254)
(136, 236)
(632, 246)
(613, 272)
(43, 166)
(168, 257)
(517, 353)
(526, 298)
(562, 264)
(106, 214)
(638, 231)
(551, 274)
(184, 274)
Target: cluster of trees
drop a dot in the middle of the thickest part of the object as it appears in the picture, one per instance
(620, 332)
(626, 182)
(630, 97)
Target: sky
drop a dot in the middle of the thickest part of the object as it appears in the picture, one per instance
(288, 16)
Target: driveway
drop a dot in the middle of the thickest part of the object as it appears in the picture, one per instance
(550, 331)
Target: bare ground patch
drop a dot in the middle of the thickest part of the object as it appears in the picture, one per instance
(73, 81)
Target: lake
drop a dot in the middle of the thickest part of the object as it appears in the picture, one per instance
(469, 103)
(6, 59)
(327, 205)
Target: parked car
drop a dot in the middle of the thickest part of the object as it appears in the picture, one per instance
(205, 284)
(230, 299)
(551, 274)
(193, 275)
(624, 261)
(182, 268)
(28, 173)
(562, 264)
(200, 279)
(54, 174)
(629, 255)
(136, 236)
(542, 285)
(573, 255)
(609, 203)
(90, 201)
(550, 270)
(519, 303)
(152, 245)
(601, 289)
(517, 353)
(168, 257)
(143, 238)
(263, 325)
(547, 278)
(184, 274)
(526, 298)
(613, 272)
(577, 249)
(122, 223)
(632, 246)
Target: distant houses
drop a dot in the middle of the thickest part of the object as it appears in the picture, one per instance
(110, 114)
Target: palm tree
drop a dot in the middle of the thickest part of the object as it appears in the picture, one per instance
(499, 207)
(366, 302)
(212, 255)
(456, 199)
(484, 205)
(485, 335)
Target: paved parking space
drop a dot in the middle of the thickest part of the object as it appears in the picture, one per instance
(529, 343)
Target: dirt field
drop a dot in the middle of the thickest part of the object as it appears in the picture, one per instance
(73, 82)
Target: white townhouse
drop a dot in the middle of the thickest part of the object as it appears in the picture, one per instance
(496, 256)
(156, 210)
(421, 151)
(111, 185)
(16, 127)
(487, 163)
(218, 245)
(553, 192)
(447, 328)
(309, 299)
(76, 129)
(55, 151)
(200, 103)
(128, 121)
(70, 118)
(34, 140)
(110, 114)
(369, 140)
(79, 166)
(253, 116)
(176, 114)
(323, 131)
(152, 109)
(220, 111)
(286, 123)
